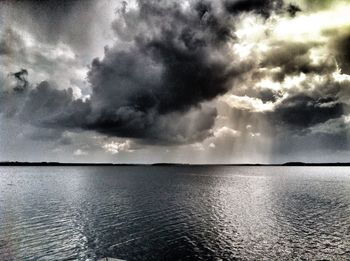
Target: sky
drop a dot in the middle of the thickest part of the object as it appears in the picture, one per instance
(188, 81)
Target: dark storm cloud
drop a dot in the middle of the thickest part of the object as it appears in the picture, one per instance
(293, 9)
(301, 111)
(47, 107)
(21, 77)
(174, 61)
(264, 7)
(330, 135)
(168, 61)
(153, 82)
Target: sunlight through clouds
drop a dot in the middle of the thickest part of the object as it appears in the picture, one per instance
(154, 76)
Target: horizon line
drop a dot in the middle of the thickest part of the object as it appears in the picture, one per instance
(54, 163)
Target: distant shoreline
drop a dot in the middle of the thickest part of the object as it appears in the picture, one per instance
(287, 164)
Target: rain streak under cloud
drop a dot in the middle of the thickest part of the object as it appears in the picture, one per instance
(161, 81)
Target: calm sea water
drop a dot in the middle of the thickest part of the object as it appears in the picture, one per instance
(175, 213)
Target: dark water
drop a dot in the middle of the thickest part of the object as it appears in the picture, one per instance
(175, 213)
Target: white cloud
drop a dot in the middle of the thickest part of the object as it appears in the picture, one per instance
(226, 132)
(212, 145)
(115, 147)
(80, 152)
(247, 103)
(198, 147)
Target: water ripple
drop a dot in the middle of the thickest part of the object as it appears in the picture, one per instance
(172, 213)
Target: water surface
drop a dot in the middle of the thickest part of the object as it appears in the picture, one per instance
(175, 213)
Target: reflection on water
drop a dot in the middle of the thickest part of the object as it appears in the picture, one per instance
(174, 213)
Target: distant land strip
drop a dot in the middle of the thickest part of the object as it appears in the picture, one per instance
(287, 164)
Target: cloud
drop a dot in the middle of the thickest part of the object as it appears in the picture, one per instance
(48, 20)
(226, 132)
(263, 7)
(80, 152)
(46, 106)
(176, 69)
(172, 60)
(302, 111)
(169, 60)
(298, 77)
(247, 103)
(28, 60)
(332, 126)
(294, 58)
(340, 41)
(21, 77)
(115, 147)
(43, 134)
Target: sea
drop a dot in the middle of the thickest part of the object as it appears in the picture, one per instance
(174, 213)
